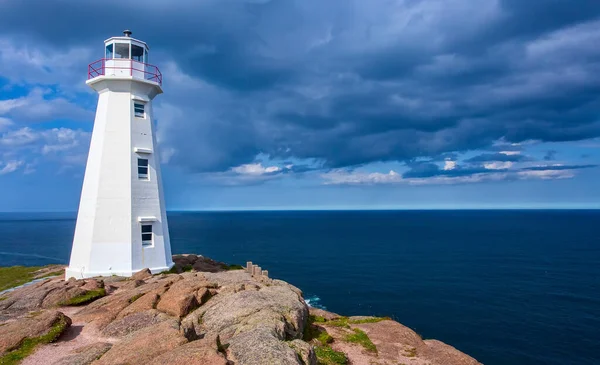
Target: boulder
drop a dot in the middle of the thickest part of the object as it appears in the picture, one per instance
(145, 345)
(305, 351)
(34, 325)
(193, 353)
(134, 322)
(204, 264)
(145, 302)
(105, 310)
(259, 347)
(181, 298)
(277, 308)
(142, 274)
(85, 355)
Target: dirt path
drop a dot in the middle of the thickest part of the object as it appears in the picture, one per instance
(76, 336)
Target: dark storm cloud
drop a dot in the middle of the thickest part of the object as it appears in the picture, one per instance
(500, 157)
(427, 170)
(349, 83)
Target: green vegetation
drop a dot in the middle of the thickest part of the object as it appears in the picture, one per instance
(16, 275)
(346, 322)
(369, 320)
(135, 297)
(328, 356)
(315, 333)
(85, 298)
(175, 269)
(232, 267)
(362, 339)
(13, 276)
(316, 319)
(222, 348)
(28, 345)
(319, 334)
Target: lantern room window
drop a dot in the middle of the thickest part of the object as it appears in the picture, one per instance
(137, 53)
(109, 51)
(121, 50)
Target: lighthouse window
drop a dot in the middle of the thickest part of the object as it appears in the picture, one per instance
(137, 53)
(121, 50)
(146, 234)
(142, 168)
(109, 51)
(138, 109)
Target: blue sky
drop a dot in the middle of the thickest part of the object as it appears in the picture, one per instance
(310, 104)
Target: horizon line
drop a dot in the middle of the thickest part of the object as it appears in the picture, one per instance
(224, 210)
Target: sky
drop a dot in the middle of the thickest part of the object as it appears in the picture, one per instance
(312, 104)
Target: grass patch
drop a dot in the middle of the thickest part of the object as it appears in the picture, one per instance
(316, 319)
(16, 275)
(328, 356)
(52, 274)
(29, 344)
(232, 267)
(369, 320)
(315, 333)
(135, 297)
(346, 322)
(312, 332)
(362, 339)
(86, 298)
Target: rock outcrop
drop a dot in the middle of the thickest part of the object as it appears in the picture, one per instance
(215, 316)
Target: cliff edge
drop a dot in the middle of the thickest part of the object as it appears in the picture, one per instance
(210, 314)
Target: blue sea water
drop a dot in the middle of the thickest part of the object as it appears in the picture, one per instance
(507, 287)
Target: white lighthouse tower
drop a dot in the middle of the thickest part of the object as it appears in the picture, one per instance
(122, 222)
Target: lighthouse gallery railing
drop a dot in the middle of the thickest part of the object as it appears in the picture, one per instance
(100, 68)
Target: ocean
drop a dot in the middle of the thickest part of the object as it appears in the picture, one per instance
(505, 286)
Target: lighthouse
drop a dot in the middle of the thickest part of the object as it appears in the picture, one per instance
(122, 223)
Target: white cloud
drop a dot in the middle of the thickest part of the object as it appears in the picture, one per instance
(65, 146)
(37, 107)
(341, 177)
(22, 63)
(5, 123)
(346, 177)
(547, 174)
(497, 165)
(255, 169)
(10, 166)
(449, 165)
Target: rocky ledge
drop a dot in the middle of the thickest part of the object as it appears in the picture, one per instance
(212, 314)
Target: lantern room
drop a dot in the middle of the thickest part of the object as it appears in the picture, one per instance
(125, 57)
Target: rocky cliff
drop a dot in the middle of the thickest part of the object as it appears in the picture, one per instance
(209, 314)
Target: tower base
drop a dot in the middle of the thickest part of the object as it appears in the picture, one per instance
(82, 274)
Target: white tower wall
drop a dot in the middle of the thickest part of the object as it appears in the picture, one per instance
(114, 200)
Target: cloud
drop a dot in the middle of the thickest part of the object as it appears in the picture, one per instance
(64, 146)
(10, 166)
(507, 156)
(346, 85)
(425, 173)
(43, 105)
(255, 169)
